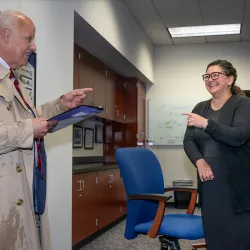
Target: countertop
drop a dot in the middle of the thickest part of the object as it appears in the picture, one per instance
(86, 168)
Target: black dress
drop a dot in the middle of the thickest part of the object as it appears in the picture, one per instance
(225, 228)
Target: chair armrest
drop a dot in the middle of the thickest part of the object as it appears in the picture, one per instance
(193, 199)
(157, 197)
(199, 245)
(153, 231)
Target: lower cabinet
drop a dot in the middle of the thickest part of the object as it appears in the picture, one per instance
(98, 199)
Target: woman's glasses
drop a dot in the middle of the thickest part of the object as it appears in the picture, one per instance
(214, 76)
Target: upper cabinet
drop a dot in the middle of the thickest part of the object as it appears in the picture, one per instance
(99, 87)
(85, 74)
(135, 110)
(123, 100)
(110, 95)
(141, 114)
(107, 85)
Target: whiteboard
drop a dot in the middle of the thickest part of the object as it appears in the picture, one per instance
(166, 124)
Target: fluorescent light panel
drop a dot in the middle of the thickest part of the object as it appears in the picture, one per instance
(207, 30)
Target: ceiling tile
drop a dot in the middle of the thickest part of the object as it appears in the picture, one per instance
(147, 16)
(176, 13)
(226, 38)
(222, 11)
(245, 30)
(189, 40)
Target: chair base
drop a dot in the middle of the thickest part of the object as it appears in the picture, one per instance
(169, 243)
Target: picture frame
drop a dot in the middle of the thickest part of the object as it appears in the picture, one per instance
(88, 138)
(77, 137)
(98, 133)
(27, 75)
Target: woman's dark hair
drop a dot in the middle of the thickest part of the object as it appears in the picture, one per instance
(229, 70)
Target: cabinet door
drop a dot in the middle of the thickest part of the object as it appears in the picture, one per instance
(108, 206)
(121, 197)
(99, 87)
(131, 112)
(110, 95)
(76, 66)
(86, 75)
(119, 100)
(84, 206)
(108, 146)
(141, 114)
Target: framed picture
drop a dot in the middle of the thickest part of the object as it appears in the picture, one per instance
(77, 137)
(27, 75)
(99, 133)
(88, 138)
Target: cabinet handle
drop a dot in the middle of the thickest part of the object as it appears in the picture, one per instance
(111, 178)
(81, 182)
(117, 113)
(80, 186)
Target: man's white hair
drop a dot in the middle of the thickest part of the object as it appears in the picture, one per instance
(8, 19)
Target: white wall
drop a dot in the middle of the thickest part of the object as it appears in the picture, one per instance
(113, 20)
(54, 39)
(177, 74)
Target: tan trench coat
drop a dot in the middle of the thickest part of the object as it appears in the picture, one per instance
(18, 229)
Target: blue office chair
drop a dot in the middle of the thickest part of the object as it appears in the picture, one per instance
(146, 201)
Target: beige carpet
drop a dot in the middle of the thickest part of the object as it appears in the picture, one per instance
(114, 239)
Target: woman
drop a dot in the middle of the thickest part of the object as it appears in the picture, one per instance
(217, 141)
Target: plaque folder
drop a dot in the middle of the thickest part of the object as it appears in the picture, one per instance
(73, 116)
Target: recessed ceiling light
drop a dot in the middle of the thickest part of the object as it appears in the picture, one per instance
(207, 30)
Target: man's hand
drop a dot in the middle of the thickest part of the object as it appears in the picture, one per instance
(195, 120)
(41, 126)
(204, 170)
(75, 97)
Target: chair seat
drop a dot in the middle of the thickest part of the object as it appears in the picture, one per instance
(181, 226)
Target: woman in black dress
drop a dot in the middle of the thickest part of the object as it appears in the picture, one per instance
(217, 141)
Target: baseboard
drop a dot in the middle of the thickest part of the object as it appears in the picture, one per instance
(84, 242)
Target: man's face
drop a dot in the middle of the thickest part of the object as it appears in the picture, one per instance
(21, 44)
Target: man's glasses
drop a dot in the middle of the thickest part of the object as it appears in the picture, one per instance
(214, 76)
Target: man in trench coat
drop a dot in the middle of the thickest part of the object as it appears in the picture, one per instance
(20, 125)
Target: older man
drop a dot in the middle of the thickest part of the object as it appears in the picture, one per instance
(22, 154)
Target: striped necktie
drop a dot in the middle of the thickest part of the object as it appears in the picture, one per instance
(16, 84)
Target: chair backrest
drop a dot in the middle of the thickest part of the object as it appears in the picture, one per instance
(141, 173)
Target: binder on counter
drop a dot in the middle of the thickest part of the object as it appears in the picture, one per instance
(73, 116)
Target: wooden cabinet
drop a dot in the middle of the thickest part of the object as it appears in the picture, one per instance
(86, 74)
(122, 197)
(135, 113)
(98, 199)
(109, 185)
(110, 95)
(119, 100)
(99, 86)
(84, 206)
(108, 87)
(141, 114)
(76, 68)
